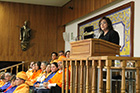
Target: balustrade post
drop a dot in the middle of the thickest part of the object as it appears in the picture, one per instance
(11, 70)
(87, 76)
(67, 76)
(108, 65)
(5, 70)
(63, 77)
(100, 64)
(22, 67)
(81, 77)
(17, 69)
(71, 77)
(123, 65)
(138, 77)
(76, 77)
(94, 85)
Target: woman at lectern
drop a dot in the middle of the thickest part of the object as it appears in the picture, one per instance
(108, 32)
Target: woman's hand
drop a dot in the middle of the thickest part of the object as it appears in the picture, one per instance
(37, 85)
(45, 84)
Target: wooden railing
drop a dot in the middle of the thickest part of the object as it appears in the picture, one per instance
(85, 79)
(15, 66)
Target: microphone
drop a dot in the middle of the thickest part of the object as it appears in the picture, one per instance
(76, 39)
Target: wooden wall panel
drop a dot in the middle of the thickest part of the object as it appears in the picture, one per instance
(45, 22)
(81, 8)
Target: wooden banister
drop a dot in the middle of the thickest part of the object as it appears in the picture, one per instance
(83, 73)
(11, 66)
(15, 66)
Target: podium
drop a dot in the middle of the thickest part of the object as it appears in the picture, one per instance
(93, 47)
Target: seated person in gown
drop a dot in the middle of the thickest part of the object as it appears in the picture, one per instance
(61, 53)
(32, 79)
(13, 86)
(54, 69)
(22, 87)
(54, 85)
(47, 71)
(54, 56)
(2, 79)
(7, 80)
(30, 70)
(67, 54)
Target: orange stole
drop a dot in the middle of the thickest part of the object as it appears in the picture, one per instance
(57, 78)
(29, 73)
(35, 75)
(61, 57)
(23, 88)
(32, 79)
(54, 61)
(41, 74)
(1, 83)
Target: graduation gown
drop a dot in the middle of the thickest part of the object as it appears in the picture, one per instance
(23, 88)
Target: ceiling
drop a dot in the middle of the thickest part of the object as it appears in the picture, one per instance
(58, 3)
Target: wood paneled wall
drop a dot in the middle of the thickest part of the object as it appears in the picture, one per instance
(81, 8)
(45, 23)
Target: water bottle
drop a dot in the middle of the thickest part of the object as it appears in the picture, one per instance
(117, 62)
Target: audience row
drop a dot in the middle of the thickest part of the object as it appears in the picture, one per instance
(41, 77)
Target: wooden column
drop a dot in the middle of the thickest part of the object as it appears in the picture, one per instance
(94, 85)
(81, 77)
(123, 64)
(138, 77)
(17, 69)
(71, 77)
(76, 77)
(11, 70)
(63, 77)
(67, 76)
(22, 67)
(5, 70)
(101, 64)
(87, 76)
(108, 65)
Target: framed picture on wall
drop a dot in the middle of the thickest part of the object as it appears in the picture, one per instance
(123, 22)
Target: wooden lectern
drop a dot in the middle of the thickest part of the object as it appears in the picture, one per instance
(93, 47)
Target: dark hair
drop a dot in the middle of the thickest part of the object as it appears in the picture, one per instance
(67, 52)
(44, 62)
(54, 53)
(55, 64)
(13, 78)
(47, 64)
(110, 27)
(38, 64)
(61, 51)
(3, 76)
